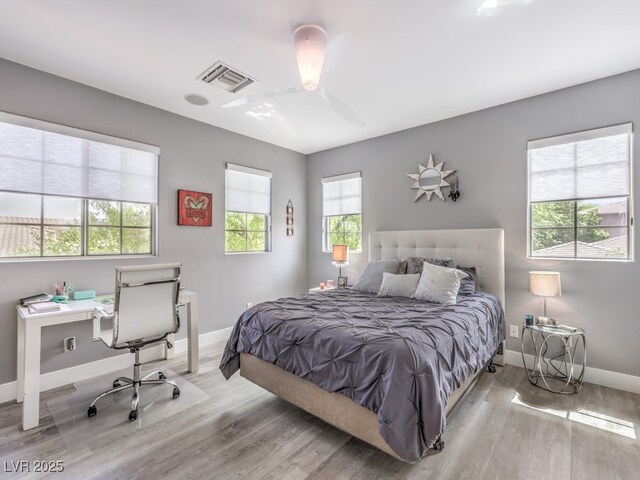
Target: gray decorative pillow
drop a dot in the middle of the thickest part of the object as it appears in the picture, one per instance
(371, 279)
(439, 284)
(402, 269)
(468, 283)
(398, 285)
(414, 264)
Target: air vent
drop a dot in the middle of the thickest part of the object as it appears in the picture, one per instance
(226, 77)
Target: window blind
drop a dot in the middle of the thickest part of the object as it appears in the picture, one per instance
(37, 158)
(592, 164)
(248, 190)
(342, 195)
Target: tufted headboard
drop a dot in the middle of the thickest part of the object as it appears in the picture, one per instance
(481, 248)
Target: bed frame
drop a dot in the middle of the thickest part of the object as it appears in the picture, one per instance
(481, 248)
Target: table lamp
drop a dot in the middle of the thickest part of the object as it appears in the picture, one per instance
(545, 284)
(340, 258)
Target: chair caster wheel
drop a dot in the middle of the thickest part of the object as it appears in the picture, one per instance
(439, 445)
(176, 392)
(92, 411)
(133, 414)
(491, 369)
(116, 384)
(161, 376)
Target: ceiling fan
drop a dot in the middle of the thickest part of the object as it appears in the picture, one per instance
(311, 46)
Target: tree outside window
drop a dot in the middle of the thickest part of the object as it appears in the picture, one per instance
(344, 230)
(246, 232)
(110, 228)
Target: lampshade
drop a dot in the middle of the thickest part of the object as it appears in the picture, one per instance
(545, 284)
(340, 254)
(310, 42)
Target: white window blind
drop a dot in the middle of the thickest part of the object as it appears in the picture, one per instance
(38, 157)
(342, 195)
(248, 190)
(591, 164)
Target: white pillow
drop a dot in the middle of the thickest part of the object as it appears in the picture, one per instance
(439, 284)
(398, 285)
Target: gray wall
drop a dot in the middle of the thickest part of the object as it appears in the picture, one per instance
(488, 149)
(192, 156)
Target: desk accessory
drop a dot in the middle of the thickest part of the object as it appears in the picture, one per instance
(40, 297)
(43, 307)
(63, 289)
(84, 295)
(60, 298)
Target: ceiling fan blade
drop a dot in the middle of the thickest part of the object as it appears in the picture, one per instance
(335, 51)
(341, 108)
(259, 96)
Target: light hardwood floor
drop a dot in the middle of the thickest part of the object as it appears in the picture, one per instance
(504, 429)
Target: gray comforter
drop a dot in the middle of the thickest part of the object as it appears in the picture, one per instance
(398, 357)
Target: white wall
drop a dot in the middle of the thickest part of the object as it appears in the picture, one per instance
(488, 149)
(192, 156)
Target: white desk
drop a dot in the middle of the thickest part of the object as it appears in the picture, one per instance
(29, 331)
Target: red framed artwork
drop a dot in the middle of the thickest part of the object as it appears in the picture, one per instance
(194, 208)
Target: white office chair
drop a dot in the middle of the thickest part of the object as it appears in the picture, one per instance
(145, 312)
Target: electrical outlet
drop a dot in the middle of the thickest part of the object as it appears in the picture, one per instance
(249, 305)
(514, 331)
(69, 344)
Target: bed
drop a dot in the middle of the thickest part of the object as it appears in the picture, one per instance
(386, 370)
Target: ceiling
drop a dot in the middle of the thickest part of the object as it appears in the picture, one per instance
(407, 63)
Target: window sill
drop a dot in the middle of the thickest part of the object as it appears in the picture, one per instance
(245, 253)
(75, 259)
(572, 259)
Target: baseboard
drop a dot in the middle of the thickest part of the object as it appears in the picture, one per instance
(85, 371)
(604, 378)
(208, 338)
(59, 378)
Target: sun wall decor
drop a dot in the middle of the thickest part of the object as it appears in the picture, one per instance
(430, 179)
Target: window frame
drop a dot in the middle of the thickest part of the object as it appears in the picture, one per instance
(629, 225)
(268, 241)
(326, 232)
(83, 226)
(90, 136)
(266, 231)
(121, 227)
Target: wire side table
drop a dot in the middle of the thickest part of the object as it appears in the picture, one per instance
(553, 363)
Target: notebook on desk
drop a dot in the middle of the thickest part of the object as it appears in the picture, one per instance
(39, 298)
(46, 307)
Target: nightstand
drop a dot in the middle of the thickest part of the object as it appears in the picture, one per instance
(321, 290)
(555, 348)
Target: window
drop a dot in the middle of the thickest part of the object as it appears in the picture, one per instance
(248, 210)
(342, 211)
(580, 203)
(70, 193)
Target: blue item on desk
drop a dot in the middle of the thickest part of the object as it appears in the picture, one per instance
(84, 295)
(60, 298)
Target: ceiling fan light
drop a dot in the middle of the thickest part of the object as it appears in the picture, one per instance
(488, 4)
(310, 43)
